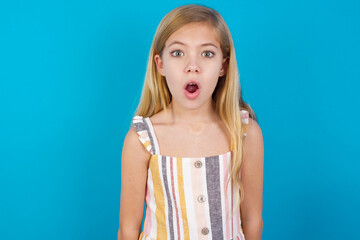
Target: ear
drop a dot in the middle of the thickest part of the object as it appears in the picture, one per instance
(159, 64)
(224, 68)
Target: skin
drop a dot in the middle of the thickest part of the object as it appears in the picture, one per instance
(252, 179)
(195, 124)
(191, 61)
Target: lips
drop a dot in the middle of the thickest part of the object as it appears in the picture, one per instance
(192, 91)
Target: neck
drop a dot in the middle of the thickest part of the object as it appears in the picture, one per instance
(204, 114)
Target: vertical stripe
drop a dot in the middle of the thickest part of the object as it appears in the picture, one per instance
(179, 234)
(227, 190)
(199, 188)
(237, 215)
(152, 204)
(234, 209)
(238, 221)
(222, 192)
(168, 177)
(182, 199)
(242, 237)
(166, 205)
(188, 178)
(173, 193)
(166, 185)
(147, 224)
(206, 210)
(213, 190)
(161, 232)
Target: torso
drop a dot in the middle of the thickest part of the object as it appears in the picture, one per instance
(198, 140)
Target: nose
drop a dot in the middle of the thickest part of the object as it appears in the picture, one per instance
(192, 66)
(192, 69)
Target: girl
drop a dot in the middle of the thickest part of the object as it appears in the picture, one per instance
(176, 156)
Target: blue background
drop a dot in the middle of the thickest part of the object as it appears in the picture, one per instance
(71, 76)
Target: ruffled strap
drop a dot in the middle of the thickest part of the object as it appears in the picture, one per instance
(146, 134)
(245, 122)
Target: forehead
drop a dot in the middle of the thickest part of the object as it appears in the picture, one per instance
(194, 34)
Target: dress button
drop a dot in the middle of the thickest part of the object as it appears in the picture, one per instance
(205, 231)
(198, 164)
(201, 198)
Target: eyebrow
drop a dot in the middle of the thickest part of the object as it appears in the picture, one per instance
(181, 43)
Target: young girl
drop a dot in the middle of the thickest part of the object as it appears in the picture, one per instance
(176, 156)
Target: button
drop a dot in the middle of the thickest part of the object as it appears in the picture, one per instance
(205, 231)
(198, 164)
(201, 198)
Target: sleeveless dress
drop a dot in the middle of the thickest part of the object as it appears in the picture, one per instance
(187, 198)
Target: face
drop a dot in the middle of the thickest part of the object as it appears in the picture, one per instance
(192, 53)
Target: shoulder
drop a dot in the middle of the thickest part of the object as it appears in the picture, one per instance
(251, 126)
(133, 149)
(253, 129)
(131, 138)
(253, 142)
(158, 118)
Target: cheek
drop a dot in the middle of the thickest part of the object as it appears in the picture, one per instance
(172, 72)
(172, 82)
(212, 70)
(171, 66)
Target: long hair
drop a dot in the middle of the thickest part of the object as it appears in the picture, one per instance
(227, 97)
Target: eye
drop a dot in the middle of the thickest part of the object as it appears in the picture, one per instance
(209, 54)
(176, 53)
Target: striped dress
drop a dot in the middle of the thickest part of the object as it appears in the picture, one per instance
(187, 198)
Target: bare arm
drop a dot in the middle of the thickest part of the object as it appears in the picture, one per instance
(134, 164)
(252, 180)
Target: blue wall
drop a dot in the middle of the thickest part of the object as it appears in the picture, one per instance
(71, 75)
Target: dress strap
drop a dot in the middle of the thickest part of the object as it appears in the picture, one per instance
(146, 134)
(245, 121)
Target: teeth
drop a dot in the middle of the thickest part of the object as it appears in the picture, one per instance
(192, 83)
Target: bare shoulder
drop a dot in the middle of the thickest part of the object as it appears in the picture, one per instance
(253, 148)
(254, 133)
(158, 118)
(134, 150)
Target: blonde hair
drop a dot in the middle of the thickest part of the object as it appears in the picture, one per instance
(156, 96)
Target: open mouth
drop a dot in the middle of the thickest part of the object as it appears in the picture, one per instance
(192, 87)
(192, 90)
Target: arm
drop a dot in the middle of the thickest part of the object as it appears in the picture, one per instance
(134, 164)
(252, 181)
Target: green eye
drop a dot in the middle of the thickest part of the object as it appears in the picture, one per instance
(208, 54)
(176, 53)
